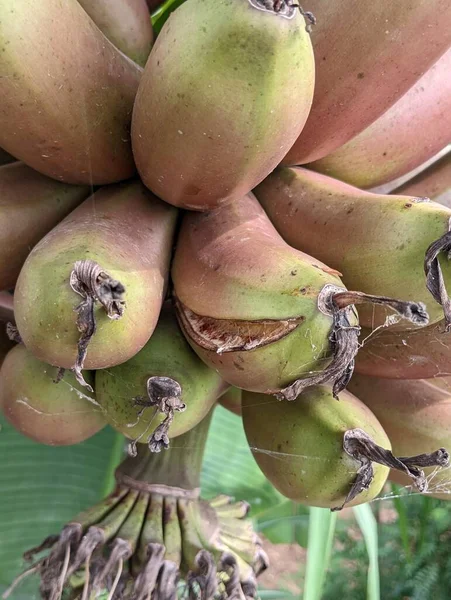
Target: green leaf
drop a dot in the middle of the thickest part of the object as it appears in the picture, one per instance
(229, 467)
(320, 537)
(161, 14)
(401, 509)
(43, 487)
(285, 523)
(276, 595)
(368, 526)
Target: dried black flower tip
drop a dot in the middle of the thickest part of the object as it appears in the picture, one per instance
(93, 284)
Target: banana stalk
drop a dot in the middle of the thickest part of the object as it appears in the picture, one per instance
(154, 535)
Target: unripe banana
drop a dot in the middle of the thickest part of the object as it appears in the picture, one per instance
(357, 77)
(128, 392)
(299, 445)
(98, 278)
(30, 205)
(67, 93)
(416, 416)
(56, 414)
(225, 93)
(378, 242)
(408, 134)
(268, 317)
(420, 353)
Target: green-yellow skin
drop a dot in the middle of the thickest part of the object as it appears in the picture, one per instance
(378, 242)
(416, 414)
(56, 414)
(129, 233)
(126, 23)
(30, 205)
(67, 93)
(408, 134)
(232, 264)
(299, 445)
(224, 94)
(167, 354)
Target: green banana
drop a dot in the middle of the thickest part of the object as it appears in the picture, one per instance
(30, 205)
(325, 453)
(261, 313)
(67, 93)
(56, 414)
(108, 262)
(416, 416)
(217, 107)
(378, 242)
(136, 395)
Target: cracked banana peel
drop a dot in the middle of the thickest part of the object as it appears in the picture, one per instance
(267, 317)
(378, 242)
(225, 92)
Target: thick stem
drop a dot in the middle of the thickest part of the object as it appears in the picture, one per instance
(178, 466)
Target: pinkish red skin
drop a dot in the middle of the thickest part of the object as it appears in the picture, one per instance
(60, 414)
(129, 233)
(225, 92)
(30, 205)
(126, 23)
(378, 242)
(408, 134)
(434, 183)
(238, 244)
(421, 353)
(413, 354)
(67, 94)
(416, 415)
(368, 55)
(231, 264)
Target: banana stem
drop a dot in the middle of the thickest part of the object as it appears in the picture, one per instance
(178, 466)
